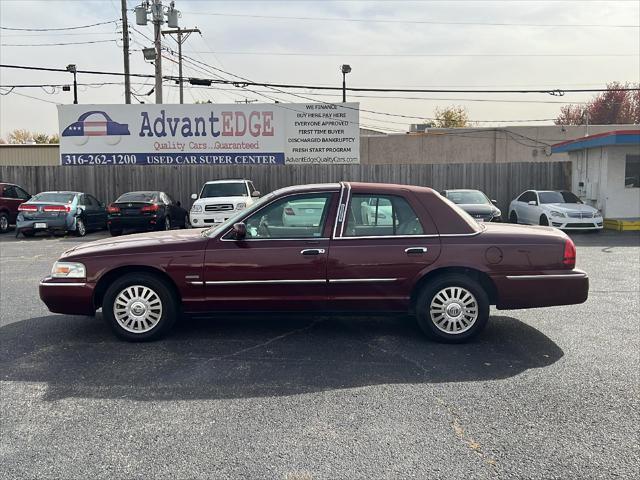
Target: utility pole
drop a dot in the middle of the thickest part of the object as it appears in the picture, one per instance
(125, 52)
(72, 68)
(180, 38)
(157, 15)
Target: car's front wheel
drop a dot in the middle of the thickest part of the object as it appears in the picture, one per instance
(513, 217)
(140, 307)
(544, 220)
(452, 308)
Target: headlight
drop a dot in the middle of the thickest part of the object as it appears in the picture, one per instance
(240, 206)
(497, 213)
(555, 213)
(196, 208)
(68, 270)
(597, 213)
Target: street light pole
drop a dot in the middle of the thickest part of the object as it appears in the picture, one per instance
(345, 69)
(72, 68)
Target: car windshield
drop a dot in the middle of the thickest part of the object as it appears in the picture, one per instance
(146, 197)
(54, 197)
(469, 197)
(570, 197)
(233, 219)
(551, 197)
(226, 189)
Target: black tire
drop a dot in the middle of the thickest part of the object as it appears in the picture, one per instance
(28, 233)
(513, 217)
(81, 228)
(167, 298)
(4, 222)
(432, 289)
(544, 221)
(115, 233)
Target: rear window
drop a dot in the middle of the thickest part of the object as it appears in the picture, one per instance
(224, 190)
(53, 197)
(146, 197)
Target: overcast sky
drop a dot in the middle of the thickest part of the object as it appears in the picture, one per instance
(387, 43)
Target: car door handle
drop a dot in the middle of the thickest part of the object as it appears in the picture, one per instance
(312, 251)
(413, 250)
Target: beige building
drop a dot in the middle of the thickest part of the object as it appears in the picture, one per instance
(472, 145)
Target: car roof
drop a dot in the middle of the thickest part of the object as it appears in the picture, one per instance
(228, 180)
(463, 190)
(141, 191)
(61, 191)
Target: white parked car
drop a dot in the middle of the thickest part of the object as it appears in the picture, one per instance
(560, 209)
(220, 199)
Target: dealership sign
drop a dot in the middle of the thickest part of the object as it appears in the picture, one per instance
(209, 134)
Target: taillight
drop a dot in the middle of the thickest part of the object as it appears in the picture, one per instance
(289, 211)
(57, 208)
(25, 207)
(113, 209)
(150, 208)
(569, 258)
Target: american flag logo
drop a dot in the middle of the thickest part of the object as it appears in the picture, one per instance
(94, 129)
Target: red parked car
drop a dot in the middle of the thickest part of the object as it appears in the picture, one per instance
(333, 247)
(11, 196)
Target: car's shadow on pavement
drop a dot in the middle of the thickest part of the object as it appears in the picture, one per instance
(237, 357)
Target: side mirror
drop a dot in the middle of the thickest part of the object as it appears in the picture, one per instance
(495, 202)
(239, 231)
(533, 203)
(194, 196)
(255, 194)
(178, 204)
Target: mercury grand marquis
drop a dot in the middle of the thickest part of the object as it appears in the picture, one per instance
(344, 247)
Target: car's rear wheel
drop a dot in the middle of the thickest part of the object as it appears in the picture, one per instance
(114, 232)
(452, 308)
(4, 222)
(513, 217)
(167, 223)
(140, 307)
(28, 233)
(544, 220)
(81, 228)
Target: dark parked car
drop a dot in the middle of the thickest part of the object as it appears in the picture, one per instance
(475, 203)
(11, 196)
(61, 211)
(432, 260)
(145, 211)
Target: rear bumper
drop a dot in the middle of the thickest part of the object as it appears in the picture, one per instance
(68, 297)
(53, 223)
(141, 223)
(541, 290)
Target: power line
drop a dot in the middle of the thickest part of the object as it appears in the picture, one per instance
(408, 21)
(442, 55)
(54, 44)
(57, 29)
(240, 83)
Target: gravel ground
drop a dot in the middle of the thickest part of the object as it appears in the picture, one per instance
(544, 393)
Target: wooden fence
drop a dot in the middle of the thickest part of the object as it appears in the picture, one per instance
(502, 181)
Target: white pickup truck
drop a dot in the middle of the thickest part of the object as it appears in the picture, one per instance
(219, 199)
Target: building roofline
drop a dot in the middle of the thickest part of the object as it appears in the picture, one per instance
(614, 137)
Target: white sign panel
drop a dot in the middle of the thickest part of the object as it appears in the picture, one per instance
(209, 134)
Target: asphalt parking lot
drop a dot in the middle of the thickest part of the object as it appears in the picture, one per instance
(545, 393)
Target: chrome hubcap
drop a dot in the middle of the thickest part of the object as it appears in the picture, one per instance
(137, 309)
(4, 223)
(80, 227)
(453, 310)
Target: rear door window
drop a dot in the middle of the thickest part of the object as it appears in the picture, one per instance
(381, 215)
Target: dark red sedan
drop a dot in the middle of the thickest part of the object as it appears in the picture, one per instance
(335, 247)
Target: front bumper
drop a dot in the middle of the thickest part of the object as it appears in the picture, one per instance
(208, 219)
(67, 296)
(565, 223)
(521, 290)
